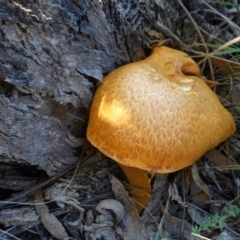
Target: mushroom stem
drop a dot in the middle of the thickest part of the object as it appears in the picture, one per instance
(138, 179)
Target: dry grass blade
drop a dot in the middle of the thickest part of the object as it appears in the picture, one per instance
(200, 35)
(233, 26)
(224, 46)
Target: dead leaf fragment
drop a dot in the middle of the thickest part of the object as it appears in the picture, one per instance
(197, 214)
(112, 205)
(199, 198)
(228, 234)
(221, 162)
(198, 180)
(63, 194)
(173, 192)
(225, 65)
(173, 225)
(211, 173)
(133, 227)
(49, 221)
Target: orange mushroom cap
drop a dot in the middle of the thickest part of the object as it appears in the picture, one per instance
(157, 114)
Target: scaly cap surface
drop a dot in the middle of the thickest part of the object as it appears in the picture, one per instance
(157, 114)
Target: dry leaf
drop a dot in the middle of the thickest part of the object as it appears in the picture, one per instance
(112, 205)
(49, 221)
(221, 162)
(229, 235)
(226, 66)
(202, 197)
(62, 194)
(133, 228)
(198, 180)
(159, 186)
(197, 214)
(104, 233)
(173, 192)
(211, 173)
(173, 225)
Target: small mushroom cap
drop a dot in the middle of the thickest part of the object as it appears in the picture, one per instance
(157, 114)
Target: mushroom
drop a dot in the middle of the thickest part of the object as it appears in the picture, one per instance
(157, 114)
